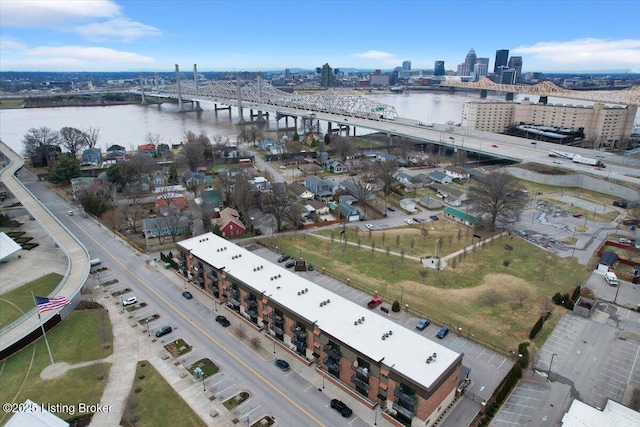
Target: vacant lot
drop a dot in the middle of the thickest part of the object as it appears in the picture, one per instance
(15, 303)
(493, 292)
(75, 340)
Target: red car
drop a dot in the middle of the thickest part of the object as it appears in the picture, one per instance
(374, 302)
(577, 214)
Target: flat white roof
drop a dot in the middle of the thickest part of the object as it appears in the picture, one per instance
(7, 246)
(403, 350)
(613, 415)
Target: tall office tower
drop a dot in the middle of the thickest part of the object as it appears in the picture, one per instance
(287, 73)
(406, 65)
(463, 70)
(438, 68)
(502, 56)
(327, 78)
(481, 68)
(507, 76)
(470, 60)
(515, 62)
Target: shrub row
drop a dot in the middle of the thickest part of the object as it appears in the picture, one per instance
(536, 328)
(563, 300)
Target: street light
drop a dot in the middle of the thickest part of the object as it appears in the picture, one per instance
(550, 364)
(574, 242)
(204, 388)
(148, 331)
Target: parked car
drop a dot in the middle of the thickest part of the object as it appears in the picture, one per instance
(374, 302)
(391, 209)
(282, 364)
(408, 221)
(442, 332)
(625, 241)
(310, 267)
(163, 331)
(290, 263)
(369, 226)
(222, 320)
(70, 213)
(283, 258)
(418, 220)
(129, 301)
(577, 214)
(341, 407)
(557, 162)
(630, 221)
(187, 295)
(423, 323)
(434, 217)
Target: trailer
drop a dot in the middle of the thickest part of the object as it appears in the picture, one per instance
(587, 161)
(561, 154)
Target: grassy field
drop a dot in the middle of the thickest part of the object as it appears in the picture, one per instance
(477, 292)
(156, 403)
(15, 303)
(74, 340)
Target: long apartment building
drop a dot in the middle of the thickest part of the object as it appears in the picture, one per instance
(412, 378)
(605, 126)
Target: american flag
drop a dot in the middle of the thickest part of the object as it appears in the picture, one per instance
(46, 304)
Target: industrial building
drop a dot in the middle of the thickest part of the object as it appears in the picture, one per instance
(412, 378)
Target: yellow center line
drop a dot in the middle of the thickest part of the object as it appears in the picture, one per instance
(205, 333)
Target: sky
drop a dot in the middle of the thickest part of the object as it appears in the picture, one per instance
(585, 36)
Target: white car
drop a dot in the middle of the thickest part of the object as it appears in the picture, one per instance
(557, 162)
(625, 241)
(369, 226)
(408, 221)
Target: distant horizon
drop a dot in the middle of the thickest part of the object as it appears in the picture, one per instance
(565, 36)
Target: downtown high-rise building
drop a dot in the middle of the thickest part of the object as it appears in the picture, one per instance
(406, 65)
(327, 77)
(438, 68)
(470, 61)
(515, 63)
(481, 68)
(502, 57)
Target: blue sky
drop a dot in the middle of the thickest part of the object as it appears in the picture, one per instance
(145, 35)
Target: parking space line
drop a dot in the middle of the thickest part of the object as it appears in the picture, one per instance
(634, 364)
(225, 389)
(483, 350)
(307, 389)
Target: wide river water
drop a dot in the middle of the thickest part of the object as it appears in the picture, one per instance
(128, 125)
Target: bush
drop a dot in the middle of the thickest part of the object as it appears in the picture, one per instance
(395, 307)
(557, 299)
(523, 349)
(576, 294)
(536, 328)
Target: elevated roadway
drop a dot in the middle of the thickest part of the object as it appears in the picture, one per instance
(77, 271)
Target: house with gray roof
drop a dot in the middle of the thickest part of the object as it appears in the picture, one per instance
(319, 187)
(349, 212)
(440, 177)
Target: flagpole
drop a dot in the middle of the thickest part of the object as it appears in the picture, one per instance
(42, 327)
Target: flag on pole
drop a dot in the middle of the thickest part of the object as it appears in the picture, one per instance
(46, 304)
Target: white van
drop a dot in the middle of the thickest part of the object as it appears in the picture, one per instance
(95, 262)
(611, 278)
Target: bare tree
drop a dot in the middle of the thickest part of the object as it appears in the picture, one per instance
(92, 135)
(73, 140)
(130, 215)
(193, 153)
(383, 171)
(37, 142)
(545, 307)
(343, 147)
(423, 273)
(497, 196)
(491, 297)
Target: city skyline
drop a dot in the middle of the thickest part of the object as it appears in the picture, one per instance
(105, 35)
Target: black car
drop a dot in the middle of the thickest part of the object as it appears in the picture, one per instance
(340, 406)
(283, 258)
(282, 364)
(223, 321)
(391, 209)
(163, 331)
(290, 263)
(434, 217)
(187, 295)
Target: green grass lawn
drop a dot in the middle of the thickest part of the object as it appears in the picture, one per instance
(77, 339)
(492, 302)
(156, 403)
(15, 303)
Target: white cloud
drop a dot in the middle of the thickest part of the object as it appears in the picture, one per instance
(120, 29)
(8, 44)
(50, 13)
(376, 58)
(374, 54)
(582, 54)
(87, 55)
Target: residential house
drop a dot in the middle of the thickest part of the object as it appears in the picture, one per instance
(310, 169)
(260, 183)
(408, 205)
(266, 144)
(300, 192)
(170, 195)
(212, 197)
(91, 156)
(347, 198)
(354, 165)
(440, 177)
(403, 179)
(452, 196)
(456, 172)
(229, 223)
(49, 159)
(79, 185)
(352, 188)
(229, 152)
(317, 206)
(319, 187)
(334, 166)
(349, 212)
(158, 227)
(148, 150)
(459, 216)
(475, 174)
(194, 179)
(116, 152)
(163, 150)
(607, 261)
(159, 180)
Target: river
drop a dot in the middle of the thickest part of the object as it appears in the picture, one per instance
(128, 125)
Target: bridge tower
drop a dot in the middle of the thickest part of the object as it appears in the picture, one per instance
(197, 84)
(180, 106)
(260, 117)
(144, 99)
(241, 119)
